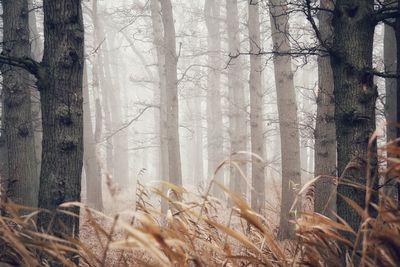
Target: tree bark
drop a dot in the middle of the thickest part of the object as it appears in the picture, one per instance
(22, 181)
(288, 121)
(36, 54)
(256, 109)
(212, 12)
(355, 97)
(172, 103)
(397, 34)
(237, 112)
(325, 137)
(60, 85)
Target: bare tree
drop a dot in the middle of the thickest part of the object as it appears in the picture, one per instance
(172, 103)
(355, 97)
(256, 109)
(325, 138)
(237, 112)
(158, 42)
(212, 11)
(287, 110)
(21, 180)
(93, 175)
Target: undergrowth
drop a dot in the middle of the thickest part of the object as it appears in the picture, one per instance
(199, 230)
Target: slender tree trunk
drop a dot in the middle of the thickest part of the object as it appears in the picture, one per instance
(36, 54)
(198, 170)
(158, 41)
(256, 109)
(212, 10)
(288, 121)
(355, 97)
(92, 168)
(237, 112)
(390, 59)
(397, 34)
(60, 84)
(170, 68)
(325, 137)
(22, 181)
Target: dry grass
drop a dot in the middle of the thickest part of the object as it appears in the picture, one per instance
(200, 231)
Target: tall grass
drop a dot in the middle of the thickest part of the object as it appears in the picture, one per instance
(200, 231)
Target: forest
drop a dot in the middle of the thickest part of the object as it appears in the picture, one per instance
(200, 133)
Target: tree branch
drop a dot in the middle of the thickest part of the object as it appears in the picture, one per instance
(26, 63)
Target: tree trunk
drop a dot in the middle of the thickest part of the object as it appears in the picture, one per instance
(172, 105)
(22, 181)
(212, 10)
(355, 97)
(256, 109)
(92, 168)
(288, 121)
(198, 170)
(36, 54)
(60, 85)
(325, 137)
(158, 41)
(397, 34)
(237, 112)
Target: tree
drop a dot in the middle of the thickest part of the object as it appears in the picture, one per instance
(91, 163)
(158, 42)
(325, 138)
(256, 109)
(355, 96)
(172, 104)
(237, 112)
(60, 82)
(212, 12)
(21, 177)
(93, 175)
(287, 110)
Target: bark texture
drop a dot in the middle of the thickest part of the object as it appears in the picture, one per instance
(172, 105)
(212, 12)
(287, 111)
(256, 109)
(60, 85)
(355, 97)
(325, 131)
(21, 177)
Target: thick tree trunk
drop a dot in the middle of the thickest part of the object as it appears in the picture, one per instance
(212, 10)
(256, 109)
(325, 137)
(355, 97)
(237, 112)
(172, 103)
(22, 181)
(288, 121)
(60, 84)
